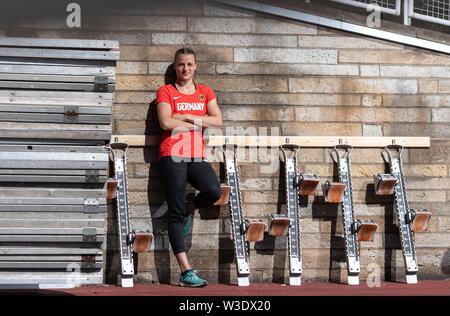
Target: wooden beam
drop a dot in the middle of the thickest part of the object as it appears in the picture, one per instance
(319, 141)
(276, 141)
(137, 140)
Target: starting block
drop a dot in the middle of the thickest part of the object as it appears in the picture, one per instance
(365, 230)
(384, 184)
(240, 232)
(129, 241)
(409, 221)
(141, 241)
(418, 220)
(119, 156)
(111, 188)
(354, 230)
(333, 192)
(226, 189)
(254, 230)
(293, 229)
(306, 183)
(279, 225)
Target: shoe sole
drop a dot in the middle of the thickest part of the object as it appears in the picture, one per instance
(191, 285)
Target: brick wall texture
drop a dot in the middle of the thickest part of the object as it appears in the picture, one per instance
(274, 75)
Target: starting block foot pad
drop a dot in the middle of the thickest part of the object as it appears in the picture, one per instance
(365, 229)
(254, 230)
(142, 242)
(384, 184)
(420, 220)
(226, 189)
(411, 278)
(295, 280)
(111, 188)
(308, 184)
(243, 281)
(126, 281)
(279, 225)
(334, 192)
(353, 280)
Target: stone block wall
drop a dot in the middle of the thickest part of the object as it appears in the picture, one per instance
(279, 77)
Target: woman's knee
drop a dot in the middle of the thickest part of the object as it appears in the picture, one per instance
(216, 193)
(208, 197)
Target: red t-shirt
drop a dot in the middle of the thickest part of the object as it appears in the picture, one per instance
(184, 143)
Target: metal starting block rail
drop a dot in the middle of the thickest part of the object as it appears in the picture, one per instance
(244, 230)
(129, 241)
(290, 223)
(409, 221)
(354, 230)
(295, 258)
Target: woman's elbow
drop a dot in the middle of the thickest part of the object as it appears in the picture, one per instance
(219, 122)
(164, 126)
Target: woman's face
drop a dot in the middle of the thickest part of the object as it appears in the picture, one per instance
(185, 66)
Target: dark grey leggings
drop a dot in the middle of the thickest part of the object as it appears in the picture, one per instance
(175, 175)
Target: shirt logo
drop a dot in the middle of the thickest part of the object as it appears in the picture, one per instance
(177, 97)
(196, 106)
(202, 97)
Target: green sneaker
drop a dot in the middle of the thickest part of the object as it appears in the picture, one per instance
(190, 279)
(187, 225)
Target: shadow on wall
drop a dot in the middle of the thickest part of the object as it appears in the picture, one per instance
(277, 246)
(445, 267)
(391, 230)
(226, 247)
(157, 207)
(331, 212)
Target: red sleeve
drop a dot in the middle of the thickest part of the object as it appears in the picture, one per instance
(162, 95)
(209, 95)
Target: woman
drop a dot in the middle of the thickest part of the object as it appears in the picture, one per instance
(184, 108)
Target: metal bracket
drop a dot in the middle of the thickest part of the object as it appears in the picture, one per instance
(88, 259)
(89, 234)
(71, 114)
(92, 176)
(101, 84)
(91, 205)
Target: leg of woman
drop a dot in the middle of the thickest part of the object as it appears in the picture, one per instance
(174, 183)
(203, 178)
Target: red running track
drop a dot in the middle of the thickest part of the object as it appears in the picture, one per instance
(423, 288)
